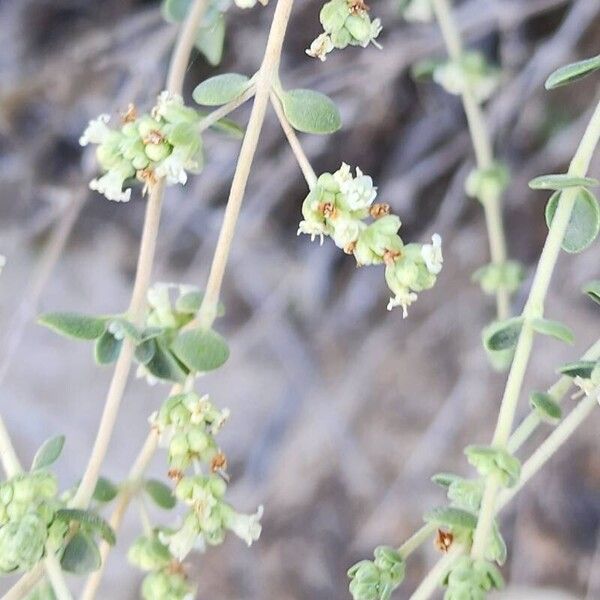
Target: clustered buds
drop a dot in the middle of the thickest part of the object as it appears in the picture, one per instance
(345, 23)
(27, 526)
(163, 144)
(471, 579)
(187, 423)
(342, 206)
(416, 10)
(471, 73)
(377, 579)
(497, 462)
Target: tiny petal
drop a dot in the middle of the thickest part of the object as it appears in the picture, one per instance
(320, 47)
(96, 132)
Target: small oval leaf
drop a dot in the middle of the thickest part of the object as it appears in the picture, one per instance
(200, 349)
(74, 325)
(584, 223)
(107, 348)
(445, 479)
(310, 112)
(502, 335)
(545, 407)
(81, 555)
(553, 328)
(592, 289)
(48, 453)
(221, 89)
(579, 368)
(145, 351)
(175, 11)
(161, 494)
(561, 181)
(90, 519)
(210, 40)
(105, 490)
(163, 365)
(572, 72)
(450, 517)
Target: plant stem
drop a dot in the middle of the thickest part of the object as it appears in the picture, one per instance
(177, 68)
(433, 578)
(303, 162)
(211, 118)
(264, 81)
(482, 147)
(416, 540)
(533, 308)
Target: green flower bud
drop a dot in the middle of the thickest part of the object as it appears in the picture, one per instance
(198, 440)
(359, 27)
(147, 126)
(166, 585)
(487, 183)
(149, 554)
(333, 15)
(157, 152)
(22, 543)
(495, 461)
(493, 277)
(341, 38)
(466, 493)
(378, 238)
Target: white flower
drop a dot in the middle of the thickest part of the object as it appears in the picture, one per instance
(342, 174)
(110, 185)
(96, 132)
(183, 541)
(164, 101)
(173, 168)
(321, 47)
(245, 3)
(376, 29)
(359, 192)
(418, 10)
(313, 228)
(404, 299)
(246, 527)
(346, 231)
(432, 254)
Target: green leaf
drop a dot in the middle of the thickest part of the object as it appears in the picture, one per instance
(572, 72)
(221, 89)
(561, 182)
(200, 349)
(74, 325)
(145, 351)
(500, 360)
(89, 519)
(175, 11)
(210, 40)
(105, 490)
(592, 289)
(444, 479)
(502, 335)
(81, 555)
(584, 223)
(451, 517)
(545, 407)
(553, 328)
(310, 112)
(163, 365)
(189, 303)
(107, 348)
(229, 127)
(160, 493)
(48, 453)
(579, 368)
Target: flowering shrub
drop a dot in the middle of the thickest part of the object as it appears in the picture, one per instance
(168, 329)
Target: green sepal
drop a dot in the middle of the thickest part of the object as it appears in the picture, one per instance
(74, 325)
(545, 407)
(554, 329)
(444, 480)
(495, 461)
(452, 518)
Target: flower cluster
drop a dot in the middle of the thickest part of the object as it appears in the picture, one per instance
(163, 144)
(471, 579)
(340, 205)
(187, 424)
(377, 579)
(249, 3)
(470, 73)
(416, 10)
(28, 527)
(345, 23)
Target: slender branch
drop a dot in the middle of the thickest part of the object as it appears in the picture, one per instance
(533, 308)
(417, 539)
(482, 147)
(264, 81)
(211, 118)
(433, 578)
(303, 162)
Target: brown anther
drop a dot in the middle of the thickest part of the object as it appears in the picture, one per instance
(148, 178)
(443, 540)
(349, 248)
(175, 474)
(379, 210)
(391, 256)
(176, 568)
(218, 463)
(130, 115)
(154, 137)
(358, 7)
(328, 209)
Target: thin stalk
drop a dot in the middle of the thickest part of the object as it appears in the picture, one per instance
(211, 118)
(534, 307)
(301, 158)
(264, 81)
(433, 578)
(417, 539)
(482, 147)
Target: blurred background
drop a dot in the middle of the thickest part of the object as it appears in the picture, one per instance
(341, 411)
